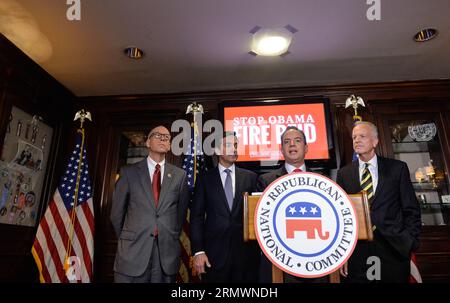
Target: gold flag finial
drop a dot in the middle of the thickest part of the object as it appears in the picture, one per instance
(354, 101)
(194, 108)
(82, 115)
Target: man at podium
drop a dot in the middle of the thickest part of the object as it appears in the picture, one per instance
(293, 148)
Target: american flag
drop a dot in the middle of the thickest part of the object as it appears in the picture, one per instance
(64, 245)
(415, 276)
(194, 160)
(193, 164)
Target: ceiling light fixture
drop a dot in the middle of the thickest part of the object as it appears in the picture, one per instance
(133, 52)
(425, 35)
(271, 42)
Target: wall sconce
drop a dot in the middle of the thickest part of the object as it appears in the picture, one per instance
(430, 172)
(419, 175)
(427, 174)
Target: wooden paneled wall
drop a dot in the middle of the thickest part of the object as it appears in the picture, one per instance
(114, 114)
(26, 85)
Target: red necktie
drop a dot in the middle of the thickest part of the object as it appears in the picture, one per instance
(156, 185)
(297, 170)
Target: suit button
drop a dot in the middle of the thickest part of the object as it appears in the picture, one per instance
(157, 216)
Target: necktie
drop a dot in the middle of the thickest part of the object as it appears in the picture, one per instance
(297, 170)
(366, 183)
(156, 184)
(229, 188)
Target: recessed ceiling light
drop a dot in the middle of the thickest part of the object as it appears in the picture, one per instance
(425, 35)
(271, 42)
(133, 52)
(271, 45)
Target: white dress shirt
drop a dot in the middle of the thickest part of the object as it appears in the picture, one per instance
(373, 168)
(290, 168)
(151, 167)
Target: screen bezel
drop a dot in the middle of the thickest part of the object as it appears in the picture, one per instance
(312, 163)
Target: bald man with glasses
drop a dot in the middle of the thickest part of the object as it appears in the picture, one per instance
(148, 211)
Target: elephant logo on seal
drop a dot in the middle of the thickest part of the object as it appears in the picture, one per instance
(305, 217)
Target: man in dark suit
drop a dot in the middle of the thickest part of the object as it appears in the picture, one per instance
(216, 219)
(394, 211)
(148, 210)
(294, 149)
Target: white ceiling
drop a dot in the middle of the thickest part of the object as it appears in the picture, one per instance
(202, 45)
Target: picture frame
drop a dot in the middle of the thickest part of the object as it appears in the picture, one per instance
(23, 163)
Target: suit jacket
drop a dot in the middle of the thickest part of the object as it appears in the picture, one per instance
(265, 179)
(134, 217)
(214, 228)
(395, 210)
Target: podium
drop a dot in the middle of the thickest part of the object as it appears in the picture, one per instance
(359, 201)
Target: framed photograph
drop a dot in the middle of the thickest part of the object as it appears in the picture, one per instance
(23, 162)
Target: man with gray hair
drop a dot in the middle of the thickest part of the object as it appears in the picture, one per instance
(394, 210)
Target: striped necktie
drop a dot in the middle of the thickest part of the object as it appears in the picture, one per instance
(366, 183)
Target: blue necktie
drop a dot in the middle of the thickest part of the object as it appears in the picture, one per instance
(229, 188)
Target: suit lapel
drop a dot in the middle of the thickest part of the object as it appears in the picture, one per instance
(146, 182)
(355, 184)
(281, 171)
(381, 177)
(167, 180)
(238, 184)
(218, 184)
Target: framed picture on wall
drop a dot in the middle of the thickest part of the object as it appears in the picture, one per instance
(23, 162)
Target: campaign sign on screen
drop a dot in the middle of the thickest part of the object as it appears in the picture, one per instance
(259, 129)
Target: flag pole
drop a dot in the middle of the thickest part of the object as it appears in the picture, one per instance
(195, 109)
(62, 251)
(355, 101)
(81, 115)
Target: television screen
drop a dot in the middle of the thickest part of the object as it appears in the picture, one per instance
(259, 128)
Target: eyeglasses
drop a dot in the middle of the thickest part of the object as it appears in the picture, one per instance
(296, 141)
(159, 136)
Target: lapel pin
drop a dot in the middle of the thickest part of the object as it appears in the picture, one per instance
(169, 175)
